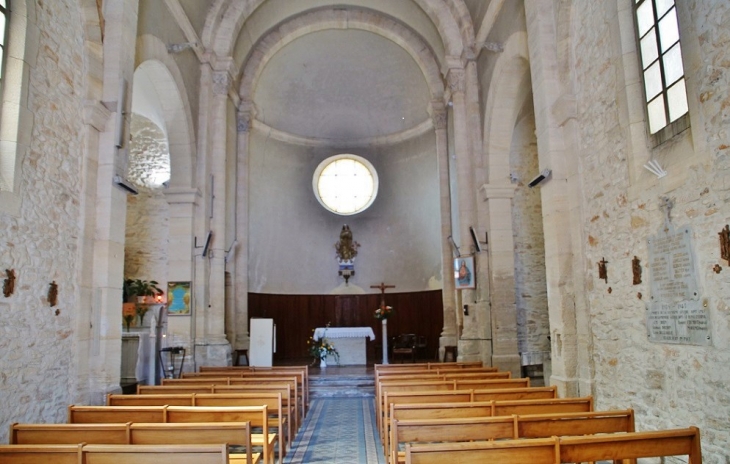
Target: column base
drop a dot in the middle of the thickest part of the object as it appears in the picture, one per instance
(213, 353)
(508, 362)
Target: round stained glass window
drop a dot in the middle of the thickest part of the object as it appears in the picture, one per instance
(345, 184)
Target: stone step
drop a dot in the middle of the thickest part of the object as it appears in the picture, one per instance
(324, 386)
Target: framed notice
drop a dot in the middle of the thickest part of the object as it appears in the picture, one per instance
(464, 272)
(178, 299)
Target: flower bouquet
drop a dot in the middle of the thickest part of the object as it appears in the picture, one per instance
(384, 312)
(320, 349)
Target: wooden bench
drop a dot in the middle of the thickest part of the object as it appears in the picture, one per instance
(272, 400)
(233, 381)
(456, 410)
(681, 442)
(236, 433)
(301, 372)
(429, 365)
(257, 416)
(114, 454)
(506, 427)
(40, 454)
(158, 454)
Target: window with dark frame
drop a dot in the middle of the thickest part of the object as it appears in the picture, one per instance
(661, 63)
(4, 9)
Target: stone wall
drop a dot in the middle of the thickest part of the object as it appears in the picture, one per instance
(148, 216)
(529, 244)
(667, 385)
(38, 371)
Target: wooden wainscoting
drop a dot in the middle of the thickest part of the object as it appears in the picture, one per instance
(296, 315)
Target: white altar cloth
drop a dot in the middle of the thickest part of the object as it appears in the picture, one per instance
(349, 343)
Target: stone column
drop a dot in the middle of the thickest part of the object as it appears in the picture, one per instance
(547, 88)
(469, 348)
(216, 348)
(502, 277)
(448, 333)
(109, 207)
(243, 128)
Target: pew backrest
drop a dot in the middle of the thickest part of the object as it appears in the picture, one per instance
(40, 454)
(530, 393)
(155, 454)
(171, 399)
(491, 384)
(57, 434)
(115, 414)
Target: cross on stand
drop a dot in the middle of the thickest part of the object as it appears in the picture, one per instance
(382, 288)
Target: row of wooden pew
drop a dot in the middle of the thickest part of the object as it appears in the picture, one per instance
(462, 412)
(192, 416)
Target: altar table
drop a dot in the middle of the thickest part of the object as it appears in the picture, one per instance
(349, 343)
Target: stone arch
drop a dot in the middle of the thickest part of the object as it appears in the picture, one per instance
(328, 19)
(175, 109)
(220, 36)
(504, 101)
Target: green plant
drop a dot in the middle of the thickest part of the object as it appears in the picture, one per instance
(138, 287)
(320, 349)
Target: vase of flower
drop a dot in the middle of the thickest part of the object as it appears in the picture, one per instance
(323, 358)
(385, 340)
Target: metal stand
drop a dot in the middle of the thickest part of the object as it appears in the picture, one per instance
(169, 371)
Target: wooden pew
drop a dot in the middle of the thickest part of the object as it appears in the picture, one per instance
(506, 427)
(181, 389)
(272, 400)
(158, 454)
(113, 454)
(40, 454)
(430, 365)
(566, 449)
(256, 415)
(455, 410)
(257, 380)
(238, 433)
(301, 372)
(484, 384)
(69, 434)
(531, 393)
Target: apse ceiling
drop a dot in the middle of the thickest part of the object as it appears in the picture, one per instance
(341, 85)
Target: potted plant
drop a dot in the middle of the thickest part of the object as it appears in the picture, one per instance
(134, 292)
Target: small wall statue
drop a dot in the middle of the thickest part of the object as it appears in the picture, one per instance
(346, 248)
(9, 283)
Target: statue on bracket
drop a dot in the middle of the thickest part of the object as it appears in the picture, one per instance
(346, 250)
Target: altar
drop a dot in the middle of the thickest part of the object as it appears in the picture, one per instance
(349, 343)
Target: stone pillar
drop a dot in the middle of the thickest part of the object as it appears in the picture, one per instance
(215, 347)
(547, 88)
(469, 348)
(243, 128)
(109, 208)
(448, 333)
(502, 277)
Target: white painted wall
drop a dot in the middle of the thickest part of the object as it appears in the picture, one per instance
(293, 236)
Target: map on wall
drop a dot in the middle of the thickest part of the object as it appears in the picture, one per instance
(675, 313)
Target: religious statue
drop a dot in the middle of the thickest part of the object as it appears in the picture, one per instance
(53, 294)
(636, 269)
(9, 283)
(725, 243)
(346, 248)
(603, 270)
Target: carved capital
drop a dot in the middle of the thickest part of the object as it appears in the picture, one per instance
(456, 80)
(439, 115)
(221, 82)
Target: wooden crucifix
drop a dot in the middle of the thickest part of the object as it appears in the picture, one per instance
(382, 288)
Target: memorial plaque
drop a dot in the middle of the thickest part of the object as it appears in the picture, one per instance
(675, 312)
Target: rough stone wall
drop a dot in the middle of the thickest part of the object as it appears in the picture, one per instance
(533, 326)
(148, 215)
(667, 385)
(38, 371)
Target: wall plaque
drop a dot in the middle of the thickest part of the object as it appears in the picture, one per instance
(675, 311)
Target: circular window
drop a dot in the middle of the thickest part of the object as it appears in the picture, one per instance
(345, 184)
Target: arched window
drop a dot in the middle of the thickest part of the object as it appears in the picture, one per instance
(662, 67)
(16, 119)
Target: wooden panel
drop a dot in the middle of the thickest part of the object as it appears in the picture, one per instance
(296, 316)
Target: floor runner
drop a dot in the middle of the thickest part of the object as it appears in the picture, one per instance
(338, 431)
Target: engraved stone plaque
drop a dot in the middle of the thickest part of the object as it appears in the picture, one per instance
(675, 312)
